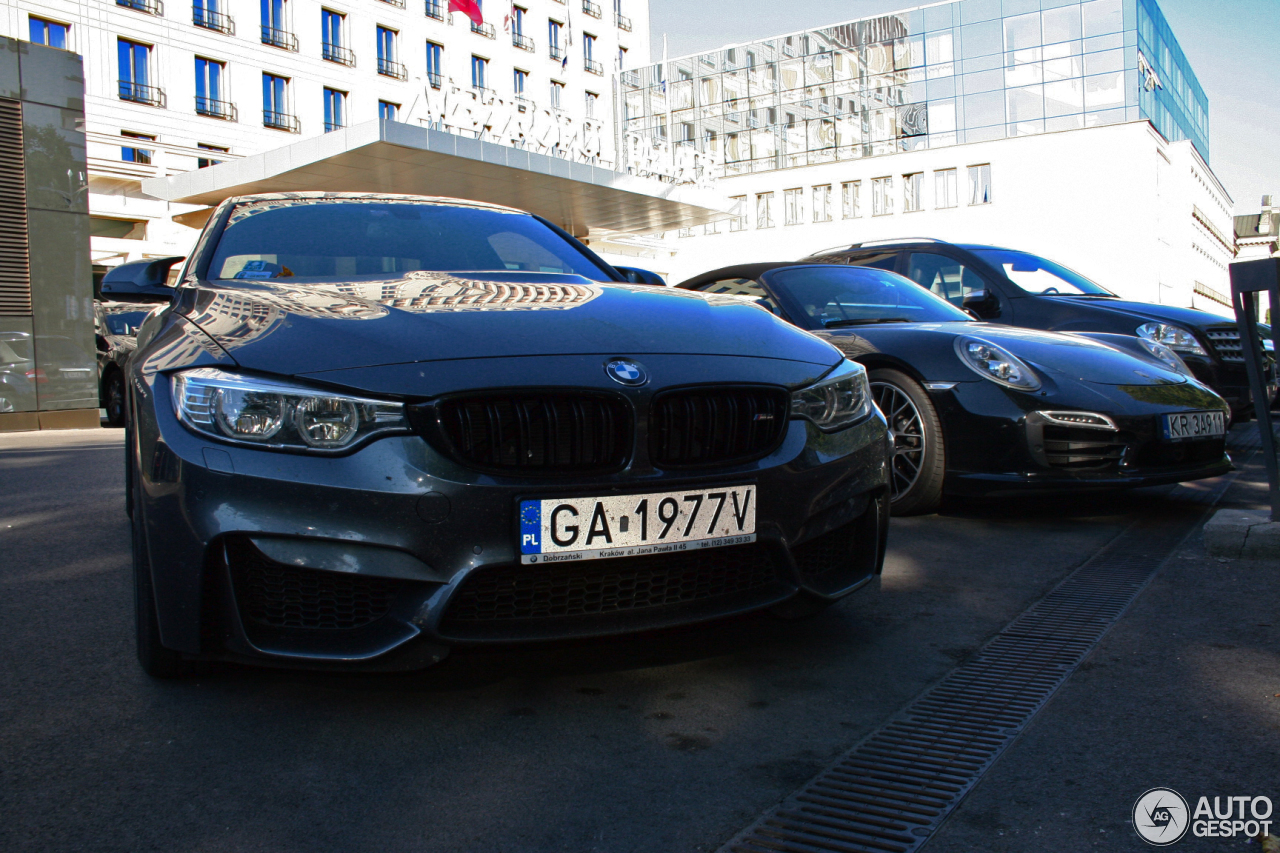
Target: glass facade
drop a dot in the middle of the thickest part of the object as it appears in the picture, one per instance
(938, 75)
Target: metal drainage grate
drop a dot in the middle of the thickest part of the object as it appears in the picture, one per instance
(894, 789)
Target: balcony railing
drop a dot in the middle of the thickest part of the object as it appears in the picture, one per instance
(592, 67)
(623, 22)
(279, 38)
(397, 3)
(485, 30)
(338, 54)
(280, 121)
(592, 9)
(150, 7)
(524, 104)
(214, 108)
(521, 41)
(211, 20)
(436, 80)
(140, 94)
(556, 52)
(331, 126)
(631, 78)
(435, 10)
(390, 68)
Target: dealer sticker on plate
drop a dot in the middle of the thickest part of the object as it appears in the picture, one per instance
(1189, 425)
(629, 525)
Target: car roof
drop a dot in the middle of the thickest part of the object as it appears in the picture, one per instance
(422, 199)
(751, 271)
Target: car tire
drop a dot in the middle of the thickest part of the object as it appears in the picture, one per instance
(918, 465)
(157, 660)
(113, 398)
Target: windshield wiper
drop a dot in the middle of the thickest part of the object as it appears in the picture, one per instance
(831, 324)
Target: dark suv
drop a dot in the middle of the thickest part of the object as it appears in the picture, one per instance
(1022, 289)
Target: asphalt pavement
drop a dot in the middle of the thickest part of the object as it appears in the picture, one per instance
(668, 741)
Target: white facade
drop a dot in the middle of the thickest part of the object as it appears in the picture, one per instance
(1143, 217)
(116, 201)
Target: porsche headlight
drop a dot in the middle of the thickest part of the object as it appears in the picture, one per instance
(997, 364)
(276, 414)
(839, 399)
(1175, 338)
(1165, 354)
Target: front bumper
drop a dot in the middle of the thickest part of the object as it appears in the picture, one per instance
(998, 446)
(384, 558)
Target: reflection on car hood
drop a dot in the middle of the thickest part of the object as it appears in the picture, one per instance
(1059, 356)
(1189, 317)
(293, 326)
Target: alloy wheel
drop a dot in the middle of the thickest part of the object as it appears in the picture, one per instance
(906, 427)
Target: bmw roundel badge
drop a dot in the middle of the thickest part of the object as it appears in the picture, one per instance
(626, 372)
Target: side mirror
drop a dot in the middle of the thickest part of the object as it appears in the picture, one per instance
(979, 302)
(639, 276)
(139, 281)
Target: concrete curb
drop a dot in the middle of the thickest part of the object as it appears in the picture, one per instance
(1247, 533)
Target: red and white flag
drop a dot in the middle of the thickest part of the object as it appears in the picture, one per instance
(470, 8)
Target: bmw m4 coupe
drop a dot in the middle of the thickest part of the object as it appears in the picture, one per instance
(368, 428)
(977, 408)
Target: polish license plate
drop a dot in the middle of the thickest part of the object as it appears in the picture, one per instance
(563, 529)
(1186, 426)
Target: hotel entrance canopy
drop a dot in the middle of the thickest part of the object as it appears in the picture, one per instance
(392, 157)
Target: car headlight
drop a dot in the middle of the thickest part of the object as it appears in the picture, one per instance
(1165, 354)
(1175, 338)
(997, 364)
(839, 399)
(278, 415)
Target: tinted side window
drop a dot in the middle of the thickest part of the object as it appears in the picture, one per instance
(943, 276)
(880, 260)
(741, 287)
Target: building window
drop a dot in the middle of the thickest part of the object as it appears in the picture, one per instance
(388, 58)
(850, 199)
(881, 196)
(209, 100)
(520, 78)
(589, 55)
(388, 111)
(739, 220)
(764, 210)
(592, 97)
(793, 206)
(275, 103)
(553, 40)
(135, 153)
(135, 74)
(913, 192)
(980, 184)
(822, 203)
(205, 162)
(49, 32)
(479, 72)
(435, 64)
(517, 20)
(622, 58)
(557, 94)
(204, 13)
(275, 27)
(945, 193)
(335, 109)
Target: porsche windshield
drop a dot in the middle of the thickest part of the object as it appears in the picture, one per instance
(327, 239)
(831, 296)
(1040, 276)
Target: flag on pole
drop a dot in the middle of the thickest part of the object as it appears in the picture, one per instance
(662, 72)
(470, 8)
(568, 39)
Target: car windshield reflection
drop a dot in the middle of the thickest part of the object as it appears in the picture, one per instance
(831, 297)
(1041, 276)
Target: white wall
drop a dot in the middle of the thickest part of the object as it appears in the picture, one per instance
(1088, 198)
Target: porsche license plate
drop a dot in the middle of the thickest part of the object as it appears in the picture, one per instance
(565, 529)
(1186, 426)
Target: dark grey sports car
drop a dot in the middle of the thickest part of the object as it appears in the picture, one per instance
(370, 427)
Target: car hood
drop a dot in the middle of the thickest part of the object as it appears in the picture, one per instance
(298, 327)
(1188, 317)
(931, 348)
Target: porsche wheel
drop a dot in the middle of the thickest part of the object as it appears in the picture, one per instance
(918, 465)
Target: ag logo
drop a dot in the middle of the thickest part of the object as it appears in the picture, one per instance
(1160, 816)
(626, 372)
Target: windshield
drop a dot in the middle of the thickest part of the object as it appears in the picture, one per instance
(125, 323)
(1039, 275)
(832, 296)
(338, 239)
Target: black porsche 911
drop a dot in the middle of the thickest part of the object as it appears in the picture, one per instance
(367, 428)
(977, 408)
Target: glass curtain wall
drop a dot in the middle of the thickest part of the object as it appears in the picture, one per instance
(929, 77)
